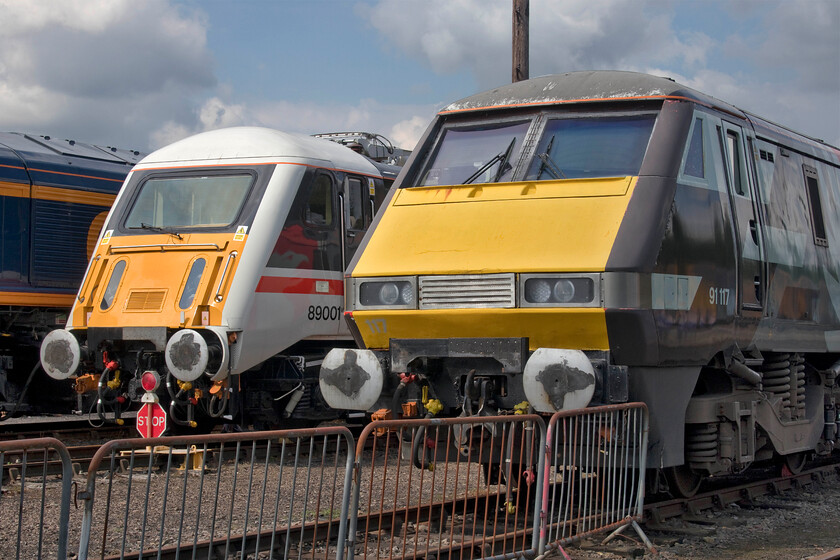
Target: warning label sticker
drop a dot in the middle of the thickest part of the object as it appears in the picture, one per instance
(240, 233)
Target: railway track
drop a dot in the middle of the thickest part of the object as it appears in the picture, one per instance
(657, 512)
(384, 527)
(69, 426)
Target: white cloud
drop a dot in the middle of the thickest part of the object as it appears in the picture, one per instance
(141, 74)
(787, 69)
(475, 35)
(168, 133)
(367, 115)
(109, 69)
(305, 118)
(406, 134)
(217, 114)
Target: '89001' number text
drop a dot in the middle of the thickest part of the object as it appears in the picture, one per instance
(323, 312)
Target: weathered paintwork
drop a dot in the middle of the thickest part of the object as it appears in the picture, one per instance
(718, 257)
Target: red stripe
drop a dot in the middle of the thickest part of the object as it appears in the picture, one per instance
(284, 285)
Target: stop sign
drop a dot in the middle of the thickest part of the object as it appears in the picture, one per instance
(151, 420)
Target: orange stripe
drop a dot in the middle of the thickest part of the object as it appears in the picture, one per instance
(144, 168)
(284, 285)
(20, 190)
(77, 175)
(70, 195)
(36, 299)
(13, 166)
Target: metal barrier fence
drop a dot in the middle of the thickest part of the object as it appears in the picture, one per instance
(478, 487)
(219, 496)
(595, 472)
(36, 474)
(447, 488)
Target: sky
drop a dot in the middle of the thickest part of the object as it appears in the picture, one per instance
(140, 74)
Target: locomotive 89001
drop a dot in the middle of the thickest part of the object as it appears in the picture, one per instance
(223, 254)
(54, 196)
(599, 237)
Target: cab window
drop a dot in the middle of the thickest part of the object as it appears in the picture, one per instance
(478, 154)
(189, 201)
(587, 147)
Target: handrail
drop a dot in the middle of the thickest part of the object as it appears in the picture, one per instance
(168, 246)
(219, 296)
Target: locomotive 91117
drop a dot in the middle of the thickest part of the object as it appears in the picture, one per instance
(217, 280)
(603, 237)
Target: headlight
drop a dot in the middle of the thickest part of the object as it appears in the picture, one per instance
(391, 293)
(541, 290)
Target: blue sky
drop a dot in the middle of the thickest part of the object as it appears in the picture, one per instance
(143, 73)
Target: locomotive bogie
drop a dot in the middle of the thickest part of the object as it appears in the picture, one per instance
(686, 249)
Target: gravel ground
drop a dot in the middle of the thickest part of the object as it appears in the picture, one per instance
(795, 525)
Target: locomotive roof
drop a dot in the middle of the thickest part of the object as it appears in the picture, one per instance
(583, 87)
(29, 145)
(257, 143)
(613, 85)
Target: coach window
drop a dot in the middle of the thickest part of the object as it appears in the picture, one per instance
(735, 161)
(812, 185)
(319, 208)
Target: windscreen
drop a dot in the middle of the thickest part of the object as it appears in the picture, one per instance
(475, 155)
(602, 146)
(195, 201)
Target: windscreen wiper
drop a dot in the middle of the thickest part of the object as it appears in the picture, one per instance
(503, 166)
(157, 228)
(548, 163)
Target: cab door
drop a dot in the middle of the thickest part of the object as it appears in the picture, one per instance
(743, 193)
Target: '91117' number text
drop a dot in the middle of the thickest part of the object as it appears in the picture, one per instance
(719, 296)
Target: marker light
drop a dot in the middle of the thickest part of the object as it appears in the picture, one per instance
(150, 380)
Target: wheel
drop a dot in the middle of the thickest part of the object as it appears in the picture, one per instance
(795, 462)
(682, 481)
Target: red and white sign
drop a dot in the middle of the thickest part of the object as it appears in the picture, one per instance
(151, 420)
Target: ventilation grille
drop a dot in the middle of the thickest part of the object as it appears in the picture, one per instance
(467, 291)
(145, 300)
